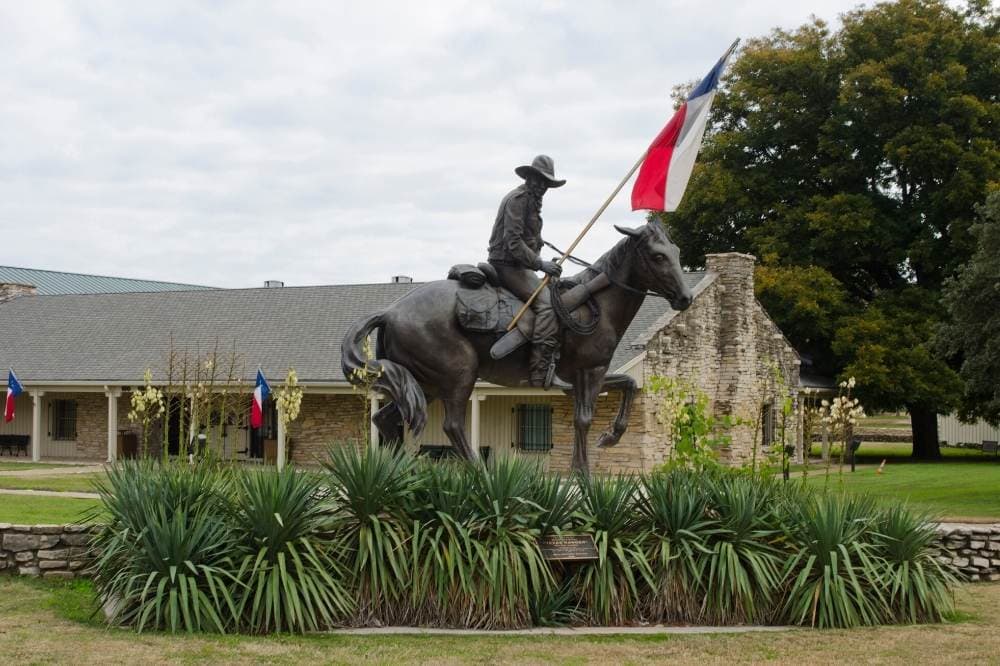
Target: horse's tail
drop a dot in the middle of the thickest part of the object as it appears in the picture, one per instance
(392, 378)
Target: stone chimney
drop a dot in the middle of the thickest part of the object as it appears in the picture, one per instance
(11, 290)
(735, 394)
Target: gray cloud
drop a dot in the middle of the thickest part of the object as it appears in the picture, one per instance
(229, 144)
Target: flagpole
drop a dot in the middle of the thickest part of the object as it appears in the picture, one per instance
(593, 220)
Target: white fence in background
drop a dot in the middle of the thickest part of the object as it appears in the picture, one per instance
(953, 431)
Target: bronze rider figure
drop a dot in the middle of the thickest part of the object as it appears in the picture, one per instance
(514, 250)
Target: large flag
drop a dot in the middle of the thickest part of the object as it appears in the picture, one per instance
(670, 159)
(14, 389)
(260, 393)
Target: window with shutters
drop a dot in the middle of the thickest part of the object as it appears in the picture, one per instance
(534, 427)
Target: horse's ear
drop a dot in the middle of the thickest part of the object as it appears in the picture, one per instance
(635, 233)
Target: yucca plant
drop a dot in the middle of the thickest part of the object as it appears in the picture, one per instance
(508, 562)
(676, 526)
(442, 560)
(558, 502)
(163, 558)
(833, 578)
(611, 585)
(917, 586)
(743, 570)
(291, 580)
(373, 494)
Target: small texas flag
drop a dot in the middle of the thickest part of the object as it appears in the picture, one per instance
(260, 393)
(14, 389)
(670, 158)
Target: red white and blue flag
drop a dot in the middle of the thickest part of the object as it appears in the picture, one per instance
(260, 393)
(14, 389)
(669, 161)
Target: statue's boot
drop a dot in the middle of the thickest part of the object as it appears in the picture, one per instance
(542, 371)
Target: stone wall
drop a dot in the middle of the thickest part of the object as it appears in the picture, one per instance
(12, 290)
(325, 420)
(727, 347)
(51, 551)
(972, 550)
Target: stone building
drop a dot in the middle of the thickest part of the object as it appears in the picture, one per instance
(80, 355)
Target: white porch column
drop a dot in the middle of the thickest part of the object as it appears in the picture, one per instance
(474, 428)
(36, 425)
(112, 394)
(375, 402)
(281, 440)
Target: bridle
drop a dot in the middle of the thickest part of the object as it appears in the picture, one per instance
(615, 282)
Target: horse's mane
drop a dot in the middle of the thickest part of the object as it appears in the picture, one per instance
(609, 262)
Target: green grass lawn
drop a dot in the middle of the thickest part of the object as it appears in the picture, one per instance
(952, 490)
(82, 483)
(54, 623)
(27, 510)
(876, 452)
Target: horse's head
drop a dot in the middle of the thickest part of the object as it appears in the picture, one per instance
(658, 264)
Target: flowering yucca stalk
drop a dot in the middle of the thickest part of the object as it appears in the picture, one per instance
(147, 406)
(289, 398)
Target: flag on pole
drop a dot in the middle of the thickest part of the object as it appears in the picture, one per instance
(260, 393)
(670, 159)
(14, 389)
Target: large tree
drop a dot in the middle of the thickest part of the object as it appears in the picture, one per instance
(972, 336)
(850, 162)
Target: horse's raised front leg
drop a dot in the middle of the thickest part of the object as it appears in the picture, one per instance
(586, 387)
(627, 386)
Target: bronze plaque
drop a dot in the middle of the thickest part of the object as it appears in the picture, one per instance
(573, 547)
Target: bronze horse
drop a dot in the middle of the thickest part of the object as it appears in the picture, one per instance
(423, 353)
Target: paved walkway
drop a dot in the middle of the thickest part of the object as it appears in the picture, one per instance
(562, 631)
(54, 471)
(49, 493)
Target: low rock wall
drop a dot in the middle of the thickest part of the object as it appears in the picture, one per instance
(59, 551)
(51, 551)
(972, 550)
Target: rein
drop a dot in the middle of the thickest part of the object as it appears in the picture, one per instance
(620, 285)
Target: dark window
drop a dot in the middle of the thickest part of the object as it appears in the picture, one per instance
(64, 419)
(767, 426)
(534, 427)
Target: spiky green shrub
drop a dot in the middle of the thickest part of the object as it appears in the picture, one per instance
(442, 560)
(677, 526)
(163, 559)
(373, 493)
(834, 575)
(509, 567)
(291, 580)
(917, 587)
(743, 568)
(610, 586)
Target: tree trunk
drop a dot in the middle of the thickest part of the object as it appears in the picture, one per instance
(923, 421)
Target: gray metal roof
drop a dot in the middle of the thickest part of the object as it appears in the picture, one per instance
(115, 337)
(57, 282)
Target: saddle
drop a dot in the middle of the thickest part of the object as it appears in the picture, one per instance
(483, 306)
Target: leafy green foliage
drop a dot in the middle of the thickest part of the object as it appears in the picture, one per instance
(293, 582)
(850, 162)
(381, 537)
(972, 337)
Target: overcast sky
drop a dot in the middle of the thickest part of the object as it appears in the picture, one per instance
(228, 143)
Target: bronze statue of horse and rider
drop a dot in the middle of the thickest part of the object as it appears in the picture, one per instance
(435, 342)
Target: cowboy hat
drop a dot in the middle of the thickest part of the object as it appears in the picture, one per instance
(541, 166)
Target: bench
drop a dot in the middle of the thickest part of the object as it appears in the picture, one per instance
(12, 443)
(990, 446)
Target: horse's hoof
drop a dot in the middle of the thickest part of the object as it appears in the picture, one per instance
(606, 440)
